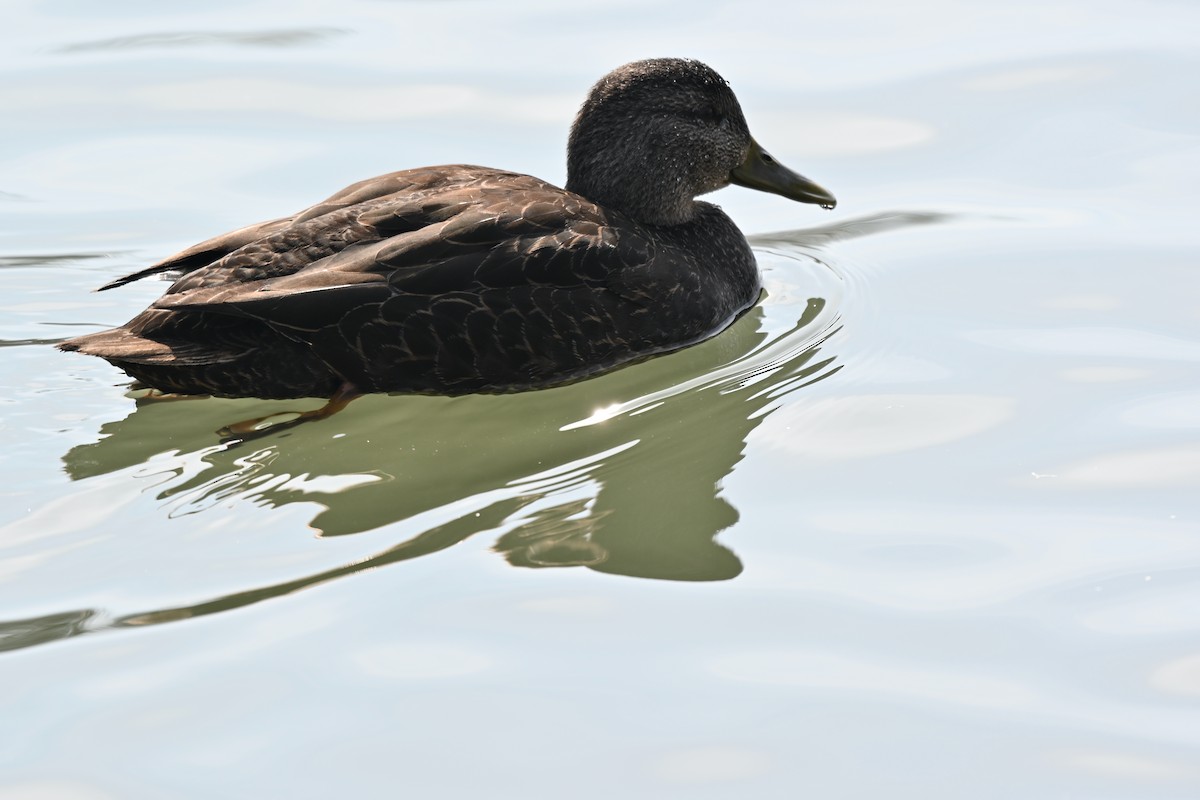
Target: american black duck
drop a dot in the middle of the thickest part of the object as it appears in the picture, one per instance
(460, 279)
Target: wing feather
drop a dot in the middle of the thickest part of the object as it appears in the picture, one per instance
(464, 238)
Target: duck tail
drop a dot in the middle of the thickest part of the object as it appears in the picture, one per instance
(120, 345)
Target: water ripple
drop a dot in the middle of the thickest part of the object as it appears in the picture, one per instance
(281, 37)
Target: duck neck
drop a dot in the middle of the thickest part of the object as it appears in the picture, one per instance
(606, 168)
(640, 204)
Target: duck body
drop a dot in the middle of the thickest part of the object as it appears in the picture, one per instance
(463, 279)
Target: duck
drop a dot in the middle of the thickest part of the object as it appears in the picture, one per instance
(462, 279)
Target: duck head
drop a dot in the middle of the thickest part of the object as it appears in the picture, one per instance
(653, 135)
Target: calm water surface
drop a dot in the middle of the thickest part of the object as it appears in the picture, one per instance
(925, 523)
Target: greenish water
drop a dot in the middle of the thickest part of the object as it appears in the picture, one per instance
(925, 523)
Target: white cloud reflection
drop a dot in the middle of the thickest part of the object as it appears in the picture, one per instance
(1180, 676)
(820, 670)
(859, 426)
(411, 661)
(1160, 467)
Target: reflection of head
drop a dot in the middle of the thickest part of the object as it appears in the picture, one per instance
(642, 540)
(559, 537)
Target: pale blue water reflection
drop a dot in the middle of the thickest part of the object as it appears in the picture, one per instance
(922, 525)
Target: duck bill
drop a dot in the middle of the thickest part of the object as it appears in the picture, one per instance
(761, 171)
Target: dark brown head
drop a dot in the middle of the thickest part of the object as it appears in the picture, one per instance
(655, 134)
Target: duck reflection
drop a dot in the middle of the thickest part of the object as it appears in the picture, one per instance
(637, 494)
(619, 474)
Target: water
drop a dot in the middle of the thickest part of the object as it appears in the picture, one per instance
(923, 524)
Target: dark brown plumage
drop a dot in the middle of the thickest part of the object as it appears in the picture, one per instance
(460, 279)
